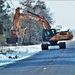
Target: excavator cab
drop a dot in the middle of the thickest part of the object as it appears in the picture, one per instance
(48, 33)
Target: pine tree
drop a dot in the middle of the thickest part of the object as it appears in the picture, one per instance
(4, 18)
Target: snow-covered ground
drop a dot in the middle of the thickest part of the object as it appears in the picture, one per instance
(15, 53)
(73, 39)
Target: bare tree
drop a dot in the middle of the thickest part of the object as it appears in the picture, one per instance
(34, 28)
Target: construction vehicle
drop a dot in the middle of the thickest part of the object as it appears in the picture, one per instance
(50, 35)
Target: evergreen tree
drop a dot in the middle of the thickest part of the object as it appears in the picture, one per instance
(1, 16)
(4, 17)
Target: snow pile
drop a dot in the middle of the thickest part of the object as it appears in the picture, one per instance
(73, 39)
(15, 53)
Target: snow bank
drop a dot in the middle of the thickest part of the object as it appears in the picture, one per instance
(21, 52)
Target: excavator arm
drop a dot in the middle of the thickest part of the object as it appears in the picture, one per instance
(29, 16)
(49, 35)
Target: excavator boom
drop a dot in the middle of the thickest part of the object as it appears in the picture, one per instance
(29, 16)
(49, 35)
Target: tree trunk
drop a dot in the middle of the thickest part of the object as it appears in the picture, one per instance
(21, 36)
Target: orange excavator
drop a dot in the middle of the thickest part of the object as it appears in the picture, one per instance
(49, 35)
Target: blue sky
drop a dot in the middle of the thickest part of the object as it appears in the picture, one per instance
(64, 12)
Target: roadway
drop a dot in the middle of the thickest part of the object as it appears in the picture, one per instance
(47, 62)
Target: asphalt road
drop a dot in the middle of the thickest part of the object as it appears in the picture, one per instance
(47, 62)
